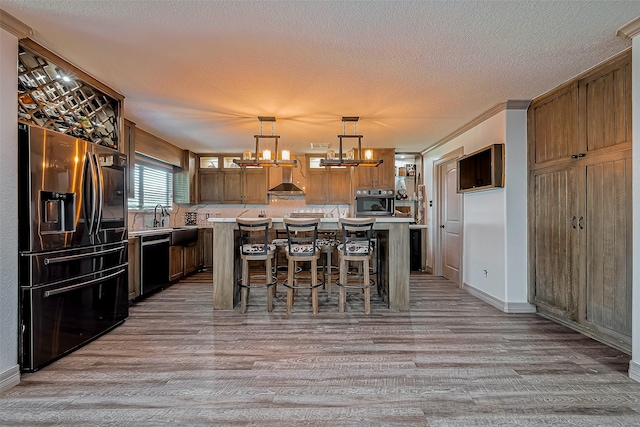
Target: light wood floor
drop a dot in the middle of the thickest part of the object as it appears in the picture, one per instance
(450, 361)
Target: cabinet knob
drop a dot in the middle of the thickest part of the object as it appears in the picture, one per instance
(581, 222)
(573, 222)
(442, 226)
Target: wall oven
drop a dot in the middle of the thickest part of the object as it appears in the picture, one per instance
(374, 202)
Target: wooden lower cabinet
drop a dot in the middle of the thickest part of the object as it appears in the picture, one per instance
(191, 261)
(205, 246)
(176, 262)
(134, 267)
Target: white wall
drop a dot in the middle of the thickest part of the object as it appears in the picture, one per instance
(516, 171)
(494, 220)
(9, 370)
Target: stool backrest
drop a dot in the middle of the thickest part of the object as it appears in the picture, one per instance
(301, 231)
(255, 232)
(356, 235)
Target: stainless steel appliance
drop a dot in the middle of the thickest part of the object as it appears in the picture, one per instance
(72, 242)
(374, 202)
(154, 264)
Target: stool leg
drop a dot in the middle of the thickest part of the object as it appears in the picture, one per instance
(245, 283)
(327, 278)
(343, 281)
(367, 291)
(314, 282)
(269, 277)
(290, 279)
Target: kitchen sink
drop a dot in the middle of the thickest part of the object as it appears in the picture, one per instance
(184, 236)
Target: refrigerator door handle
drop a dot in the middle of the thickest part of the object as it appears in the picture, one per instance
(89, 192)
(49, 261)
(100, 187)
(83, 284)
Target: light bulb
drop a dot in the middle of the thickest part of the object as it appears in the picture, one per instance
(368, 154)
(266, 154)
(286, 155)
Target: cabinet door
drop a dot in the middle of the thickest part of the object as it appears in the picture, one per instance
(318, 187)
(340, 190)
(553, 127)
(384, 173)
(553, 256)
(129, 145)
(207, 248)
(232, 186)
(190, 259)
(382, 176)
(605, 102)
(134, 267)
(209, 186)
(254, 186)
(176, 262)
(363, 178)
(606, 244)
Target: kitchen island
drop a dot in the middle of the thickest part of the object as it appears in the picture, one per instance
(393, 237)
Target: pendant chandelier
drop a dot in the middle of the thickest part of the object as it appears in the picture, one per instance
(353, 157)
(269, 158)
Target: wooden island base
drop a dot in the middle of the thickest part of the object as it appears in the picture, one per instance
(394, 252)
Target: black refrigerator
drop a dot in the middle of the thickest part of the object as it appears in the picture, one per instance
(72, 233)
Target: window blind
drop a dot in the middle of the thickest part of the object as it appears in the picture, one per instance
(152, 185)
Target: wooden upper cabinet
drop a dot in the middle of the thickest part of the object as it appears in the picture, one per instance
(552, 126)
(232, 186)
(254, 185)
(381, 176)
(324, 185)
(605, 102)
(209, 186)
(129, 148)
(218, 182)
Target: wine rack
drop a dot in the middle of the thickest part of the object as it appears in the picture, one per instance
(54, 98)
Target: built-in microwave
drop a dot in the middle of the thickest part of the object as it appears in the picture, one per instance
(373, 202)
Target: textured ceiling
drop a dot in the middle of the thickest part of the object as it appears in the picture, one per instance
(198, 73)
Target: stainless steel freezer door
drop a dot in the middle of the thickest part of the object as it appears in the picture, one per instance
(37, 269)
(57, 319)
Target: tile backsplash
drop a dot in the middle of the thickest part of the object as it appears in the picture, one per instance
(278, 207)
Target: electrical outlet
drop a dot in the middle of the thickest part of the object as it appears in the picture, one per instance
(485, 272)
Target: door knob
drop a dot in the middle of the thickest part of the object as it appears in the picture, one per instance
(442, 226)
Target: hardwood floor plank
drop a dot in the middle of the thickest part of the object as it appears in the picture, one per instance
(452, 360)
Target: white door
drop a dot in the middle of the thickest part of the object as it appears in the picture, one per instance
(451, 222)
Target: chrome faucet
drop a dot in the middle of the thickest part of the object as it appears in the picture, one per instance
(163, 213)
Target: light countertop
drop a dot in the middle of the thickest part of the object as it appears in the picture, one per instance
(383, 220)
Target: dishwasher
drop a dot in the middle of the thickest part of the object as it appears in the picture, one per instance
(154, 262)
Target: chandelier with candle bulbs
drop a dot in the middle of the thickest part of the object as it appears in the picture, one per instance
(353, 157)
(269, 158)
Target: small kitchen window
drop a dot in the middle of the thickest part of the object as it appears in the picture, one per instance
(153, 184)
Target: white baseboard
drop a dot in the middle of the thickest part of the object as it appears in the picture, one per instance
(634, 370)
(507, 307)
(9, 378)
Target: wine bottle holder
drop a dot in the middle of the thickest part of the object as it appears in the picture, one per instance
(52, 97)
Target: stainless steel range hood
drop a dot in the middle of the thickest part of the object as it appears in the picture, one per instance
(286, 187)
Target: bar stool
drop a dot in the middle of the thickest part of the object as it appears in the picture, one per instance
(328, 244)
(254, 246)
(302, 236)
(356, 247)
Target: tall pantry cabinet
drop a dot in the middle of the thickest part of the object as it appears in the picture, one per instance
(580, 202)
